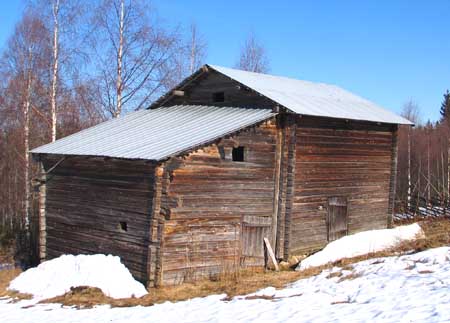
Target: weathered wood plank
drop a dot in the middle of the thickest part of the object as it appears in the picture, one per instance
(339, 158)
(86, 201)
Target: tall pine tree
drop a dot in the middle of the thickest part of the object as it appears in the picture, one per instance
(445, 108)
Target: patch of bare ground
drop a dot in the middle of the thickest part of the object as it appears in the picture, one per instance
(6, 254)
(335, 274)
(351, 276)
(246, 281)
(6, 276)
(266, 297)
(342, 302)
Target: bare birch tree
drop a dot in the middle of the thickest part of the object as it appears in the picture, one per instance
(63, 18)
(197, 49)
(134, 54)
(190, 56)
(56, 12)
(410, 112)
(25, 65)
(253, 56)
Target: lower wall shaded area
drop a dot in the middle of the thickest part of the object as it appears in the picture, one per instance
(97, 205)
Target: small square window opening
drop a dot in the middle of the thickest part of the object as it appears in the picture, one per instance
(238, 154)
(123, 226)
(218, 97)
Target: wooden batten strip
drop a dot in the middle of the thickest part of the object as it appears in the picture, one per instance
(290, 183)
(393, 179)
(42, 215)
(277, 182)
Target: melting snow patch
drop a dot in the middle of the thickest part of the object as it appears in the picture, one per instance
(55, 277)
(360, 244)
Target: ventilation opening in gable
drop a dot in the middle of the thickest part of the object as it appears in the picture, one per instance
(218, 97)
(238, 154)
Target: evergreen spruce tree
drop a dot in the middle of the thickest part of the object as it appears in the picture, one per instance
(445, 108)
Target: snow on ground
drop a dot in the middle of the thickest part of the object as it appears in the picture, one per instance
(361, 244)
(55, 277)
(410, 288)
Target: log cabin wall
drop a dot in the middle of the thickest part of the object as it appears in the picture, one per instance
(201, 92)
(97, 205)
(211, 200)
(335, 158)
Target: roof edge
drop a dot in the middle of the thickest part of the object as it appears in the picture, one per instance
(406, 121)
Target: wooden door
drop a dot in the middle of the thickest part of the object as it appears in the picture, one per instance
(254, 230)
(337, 221)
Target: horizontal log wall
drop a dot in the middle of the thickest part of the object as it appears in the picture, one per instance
(339, 158)
(201, 91)
(207, 199)
(87, 198)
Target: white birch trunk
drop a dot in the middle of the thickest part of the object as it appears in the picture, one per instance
(193, 48)
(119, 63)
(409, 168)
(26, 134)
(55, 66)
(448, 169)
(428, 169)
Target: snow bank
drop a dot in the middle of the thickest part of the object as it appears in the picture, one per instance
(56, 276)
(360, 244)
(409, 288)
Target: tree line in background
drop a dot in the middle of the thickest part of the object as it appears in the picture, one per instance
(423, 170)
(71, 64)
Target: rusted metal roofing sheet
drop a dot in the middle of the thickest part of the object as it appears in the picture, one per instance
(156, 134)
(314, 99)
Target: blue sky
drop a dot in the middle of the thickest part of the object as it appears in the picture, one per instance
(386, 51)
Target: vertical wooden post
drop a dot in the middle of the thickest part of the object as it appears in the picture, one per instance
(157, 227)
(280, 235)
(153, 226)
(42, 216)
(290, 182)
(277, 178)
(393, 178)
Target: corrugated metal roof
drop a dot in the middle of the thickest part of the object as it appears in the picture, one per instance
(315, 99)
(156, 134)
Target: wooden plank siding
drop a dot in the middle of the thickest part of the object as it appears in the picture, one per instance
(207, 199)
(339, 158)
(86, 200)
(201, 92)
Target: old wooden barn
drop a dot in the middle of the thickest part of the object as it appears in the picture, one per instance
(190, 187)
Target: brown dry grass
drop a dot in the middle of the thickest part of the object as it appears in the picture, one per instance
(350, 276)
(342, 302)
(249, 280)
(6, 276)
(7, 255)
(335, 274)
